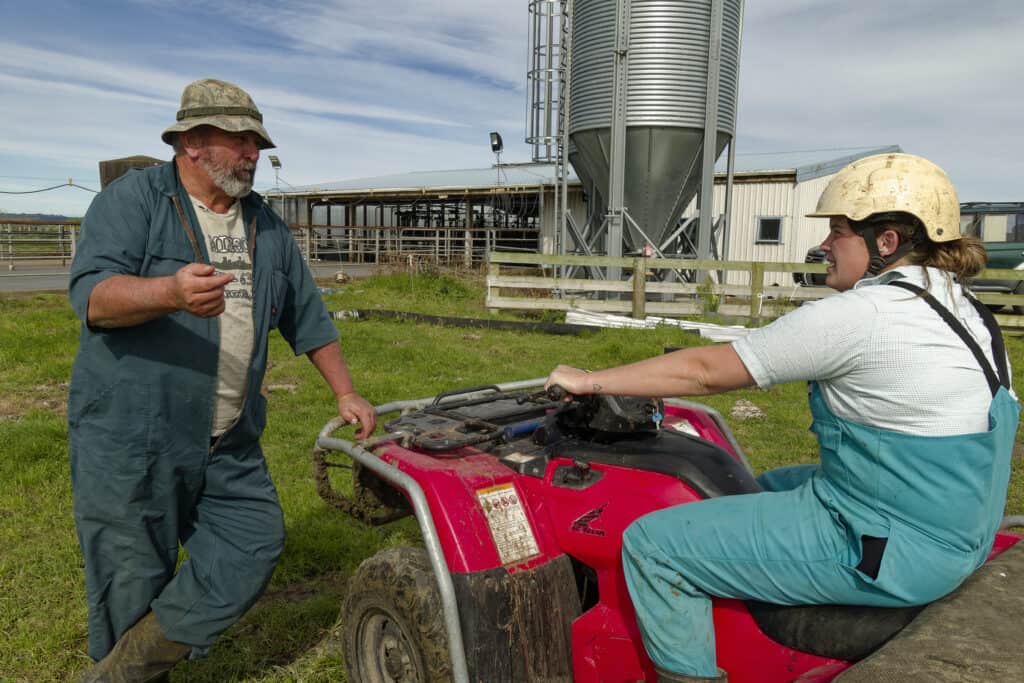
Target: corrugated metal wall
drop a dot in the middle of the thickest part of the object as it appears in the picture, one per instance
(788, 200)
(549, 224)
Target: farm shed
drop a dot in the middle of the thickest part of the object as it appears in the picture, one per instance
(452, 215)
(772, 193)
(461, 214)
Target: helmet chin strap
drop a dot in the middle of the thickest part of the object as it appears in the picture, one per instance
(877, 262)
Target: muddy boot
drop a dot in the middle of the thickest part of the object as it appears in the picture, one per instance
(142, 655)
(669, 677)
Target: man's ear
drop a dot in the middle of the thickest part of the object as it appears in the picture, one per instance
(192, 142)
(888, 242)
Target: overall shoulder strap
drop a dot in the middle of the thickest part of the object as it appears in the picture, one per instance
(998, 345)
(998, 352)
(187, 227)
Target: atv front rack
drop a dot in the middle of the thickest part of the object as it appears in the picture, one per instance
(402, 481)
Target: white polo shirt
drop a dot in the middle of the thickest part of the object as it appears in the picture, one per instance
(881, 355)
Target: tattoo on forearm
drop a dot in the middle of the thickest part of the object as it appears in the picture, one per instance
(597, 387)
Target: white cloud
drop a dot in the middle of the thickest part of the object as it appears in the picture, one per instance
(354, 88)
(937, 78)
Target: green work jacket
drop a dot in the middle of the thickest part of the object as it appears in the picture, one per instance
(148, 391)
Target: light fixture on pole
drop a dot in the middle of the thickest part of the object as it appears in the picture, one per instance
(497, 145)
(276, 163)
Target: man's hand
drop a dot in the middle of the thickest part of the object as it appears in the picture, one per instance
(127, 300)
(199, 290)
(354, 409)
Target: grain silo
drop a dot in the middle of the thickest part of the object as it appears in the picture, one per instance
(645, 80)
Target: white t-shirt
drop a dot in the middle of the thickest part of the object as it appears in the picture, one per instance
(882, 356)
(229, 253)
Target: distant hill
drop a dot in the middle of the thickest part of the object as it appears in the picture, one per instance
(35, 217)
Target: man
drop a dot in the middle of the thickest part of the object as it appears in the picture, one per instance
(180, 273)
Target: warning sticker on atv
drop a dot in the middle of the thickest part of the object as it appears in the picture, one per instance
(509, 527)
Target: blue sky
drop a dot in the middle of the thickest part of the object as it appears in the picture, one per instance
(353, 89)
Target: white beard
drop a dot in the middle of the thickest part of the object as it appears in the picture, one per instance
(227, 178)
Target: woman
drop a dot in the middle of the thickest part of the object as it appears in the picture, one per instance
(913, 411)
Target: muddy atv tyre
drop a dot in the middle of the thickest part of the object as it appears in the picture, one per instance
(394, 626)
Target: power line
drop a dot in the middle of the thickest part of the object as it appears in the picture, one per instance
(47, 189)
(40, 177)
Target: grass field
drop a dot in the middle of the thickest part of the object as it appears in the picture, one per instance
(287, 636)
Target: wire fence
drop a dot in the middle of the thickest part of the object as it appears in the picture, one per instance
(40, 243)
(388, 244)
(37, 242)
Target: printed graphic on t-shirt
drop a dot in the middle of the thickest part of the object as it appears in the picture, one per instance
(230, 254)
(228, 249)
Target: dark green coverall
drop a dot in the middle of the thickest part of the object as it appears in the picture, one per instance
(144, 470)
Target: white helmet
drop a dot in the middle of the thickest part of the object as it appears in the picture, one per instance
(889, 183)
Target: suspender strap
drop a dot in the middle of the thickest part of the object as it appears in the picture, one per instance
(993, 382)
(252, 241)
(187, 227)
(998, 346)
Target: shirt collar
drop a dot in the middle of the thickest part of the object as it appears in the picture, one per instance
(914, 274)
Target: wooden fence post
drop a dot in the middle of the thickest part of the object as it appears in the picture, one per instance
(639, 288)
(493, 272)
(756, 290)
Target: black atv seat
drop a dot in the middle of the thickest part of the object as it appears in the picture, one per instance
(849, 632)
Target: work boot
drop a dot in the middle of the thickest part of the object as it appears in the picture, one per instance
(142, 655)
(670, 677)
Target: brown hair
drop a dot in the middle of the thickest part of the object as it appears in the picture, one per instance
(964, 257)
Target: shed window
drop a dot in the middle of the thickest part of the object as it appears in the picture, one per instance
(769, 230)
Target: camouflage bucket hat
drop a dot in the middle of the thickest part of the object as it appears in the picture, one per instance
(223, 105)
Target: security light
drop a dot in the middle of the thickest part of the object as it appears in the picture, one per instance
(276, 163)
(496, 143)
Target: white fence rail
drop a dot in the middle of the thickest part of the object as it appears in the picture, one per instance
(537, 282)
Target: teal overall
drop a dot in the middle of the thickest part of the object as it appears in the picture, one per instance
(887, 519)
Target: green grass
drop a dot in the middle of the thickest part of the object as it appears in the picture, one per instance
(284, 638)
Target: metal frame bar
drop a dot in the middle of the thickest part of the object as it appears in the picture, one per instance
(405, 483)
(617, 157)
(707, 186)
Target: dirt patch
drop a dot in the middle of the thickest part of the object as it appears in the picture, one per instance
(332, 583)
(1017, 458)
(49, 397)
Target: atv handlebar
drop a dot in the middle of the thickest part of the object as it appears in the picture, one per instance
(556, 392)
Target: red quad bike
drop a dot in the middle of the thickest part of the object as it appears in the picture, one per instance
(522, 499)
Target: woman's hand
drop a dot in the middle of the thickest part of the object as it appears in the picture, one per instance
(575, 381)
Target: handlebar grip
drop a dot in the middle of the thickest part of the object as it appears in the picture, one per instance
(556, 392)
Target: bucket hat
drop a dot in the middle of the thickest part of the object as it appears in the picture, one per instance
(223, 105)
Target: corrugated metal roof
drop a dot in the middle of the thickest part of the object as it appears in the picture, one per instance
(514, 175)
(805, 164)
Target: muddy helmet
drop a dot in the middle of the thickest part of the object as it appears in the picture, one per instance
(894, 183)
(220, 104)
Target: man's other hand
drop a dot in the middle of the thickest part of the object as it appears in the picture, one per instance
(354, 409)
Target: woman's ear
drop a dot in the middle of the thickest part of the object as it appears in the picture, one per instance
(888, 242)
